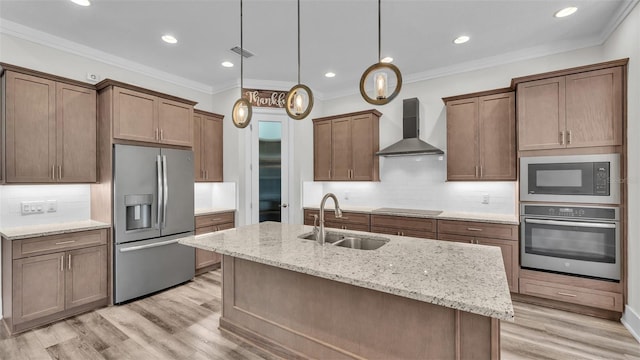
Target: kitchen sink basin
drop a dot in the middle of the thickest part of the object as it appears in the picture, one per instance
(349, 240)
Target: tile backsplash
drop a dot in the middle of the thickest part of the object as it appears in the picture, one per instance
(418, 182)
(215, 195)
(73, 201)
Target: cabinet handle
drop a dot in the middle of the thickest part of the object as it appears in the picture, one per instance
(69, 261)
(566, 294)
(480, 171)
(569, 137)
(561, 137)
(402, 233)
(62, 263)
(476, 170)
(59, 172)
(161, 134)
(473, 229)
(329, 173)
(206, 174)
(65, 242)
(53, 172)
(157, 132)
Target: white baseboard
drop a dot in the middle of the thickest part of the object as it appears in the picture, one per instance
(631, 321)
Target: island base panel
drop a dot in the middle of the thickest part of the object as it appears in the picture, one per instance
(295, 315)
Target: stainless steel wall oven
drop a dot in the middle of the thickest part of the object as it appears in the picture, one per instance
(577, 240)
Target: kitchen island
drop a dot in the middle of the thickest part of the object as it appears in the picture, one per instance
(411, 298)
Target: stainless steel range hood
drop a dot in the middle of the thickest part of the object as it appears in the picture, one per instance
(410, 143)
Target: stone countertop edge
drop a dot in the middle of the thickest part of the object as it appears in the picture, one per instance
(445, 215)
(23, 232)
(466, 288)
(211, 211)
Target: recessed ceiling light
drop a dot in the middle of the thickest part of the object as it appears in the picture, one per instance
(566, 12)
(387, 59)
(330, 74)
(82, 2)
(227, 64)
(169, 39)
(461, 39)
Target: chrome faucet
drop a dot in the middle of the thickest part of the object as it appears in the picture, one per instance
(321, 233)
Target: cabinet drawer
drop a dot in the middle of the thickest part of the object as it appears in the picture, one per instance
(346, 226)
(329, 216)
(214, 219)
(205, 229)
(403, 223)
(572, 294)
(456, 238)
(482, 229)
(55, 243)
(403, 232)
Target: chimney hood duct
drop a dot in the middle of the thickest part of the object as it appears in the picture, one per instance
(410, 143)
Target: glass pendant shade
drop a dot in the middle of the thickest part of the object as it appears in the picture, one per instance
(374, 83)
(242, 112)
(299, 102)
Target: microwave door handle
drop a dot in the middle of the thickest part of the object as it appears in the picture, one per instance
(166, 191)
(160, 192)
(571, 223)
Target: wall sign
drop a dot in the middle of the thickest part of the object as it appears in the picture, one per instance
(265, 98)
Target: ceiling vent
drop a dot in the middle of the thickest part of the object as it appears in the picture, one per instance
(243, 52)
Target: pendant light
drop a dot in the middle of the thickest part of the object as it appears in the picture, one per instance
(375, 78)
(299, 98)
(242, 111)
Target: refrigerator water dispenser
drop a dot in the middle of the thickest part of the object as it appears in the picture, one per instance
(138, 211)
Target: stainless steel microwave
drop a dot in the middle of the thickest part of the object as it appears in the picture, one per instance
(575, 178)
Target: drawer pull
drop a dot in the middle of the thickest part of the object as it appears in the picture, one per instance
(69, 261)
(62, 263)
(566, 294)
(65, 242)
(344, 218)
(473, 229)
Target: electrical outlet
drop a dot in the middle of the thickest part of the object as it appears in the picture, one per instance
(485, 199)
(52, 206)
(346, 195)
(32, 207)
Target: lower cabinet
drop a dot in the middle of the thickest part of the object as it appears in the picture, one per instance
(207, 260)
(349, 220)
(503, 236)
(49, 278)
(404, 226)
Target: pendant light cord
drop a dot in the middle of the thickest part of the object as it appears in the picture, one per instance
(241, 53)
(379, 26)
(298, 41)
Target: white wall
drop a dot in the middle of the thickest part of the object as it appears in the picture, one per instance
(625, 42)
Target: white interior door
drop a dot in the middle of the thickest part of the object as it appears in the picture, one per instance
(269, 168)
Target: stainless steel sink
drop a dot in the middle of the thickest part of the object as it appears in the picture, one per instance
(361, 243)
(351, 241)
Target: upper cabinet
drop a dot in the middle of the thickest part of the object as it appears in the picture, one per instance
(146, 116)
(581, 108)
(207, 146)
(50, 128)
(345, 146)
(481, 136)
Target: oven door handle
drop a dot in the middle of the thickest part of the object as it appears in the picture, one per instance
(571, 223)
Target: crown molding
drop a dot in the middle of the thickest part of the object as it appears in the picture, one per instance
(45, 39)
(620, 16)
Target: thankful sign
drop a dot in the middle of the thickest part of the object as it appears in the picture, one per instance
(265, 98)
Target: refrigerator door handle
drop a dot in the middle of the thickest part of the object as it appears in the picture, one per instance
(160, 192)
(166, 191)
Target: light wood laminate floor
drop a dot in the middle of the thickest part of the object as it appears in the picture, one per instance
(182, 323)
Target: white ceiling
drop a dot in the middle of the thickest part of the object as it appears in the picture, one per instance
(338, 36)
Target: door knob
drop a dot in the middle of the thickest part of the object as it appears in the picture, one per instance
(283, 205)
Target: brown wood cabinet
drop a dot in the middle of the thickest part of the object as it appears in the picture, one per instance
(404, 226)
(481, 136)
(208, 260)
(583, 109)
(207, 146)
(50, 128)
(48, 278)
(143, 115)
(349, 220)
(345, 147)
(503, 236)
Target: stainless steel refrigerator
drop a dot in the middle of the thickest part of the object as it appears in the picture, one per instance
(153, 208)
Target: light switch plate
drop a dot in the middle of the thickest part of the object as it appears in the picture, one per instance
(485, 199)
(32, 207)
(52, 205)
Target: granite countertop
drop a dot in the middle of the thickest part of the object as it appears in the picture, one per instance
(210, 211)
(431, 214)
(22, 232)
(460, 276)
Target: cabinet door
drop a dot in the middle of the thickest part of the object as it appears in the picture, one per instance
(198, 172)
(364, 143)
(541, 114)
(510, 256)
(462, 139)
(175, 121)
(38, 286)
(594, 108)
(134, 115)
(212, 148)
(322, 150)
(497, 136)
(30, 131)
(341, 149)
(86, 276)
(76, 133)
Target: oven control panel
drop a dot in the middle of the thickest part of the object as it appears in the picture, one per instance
(587, 212)
(602, 182)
